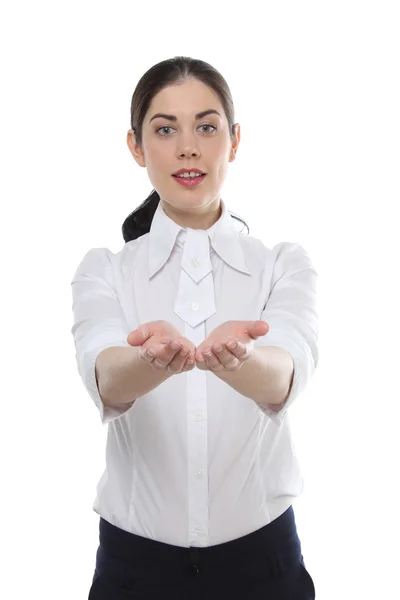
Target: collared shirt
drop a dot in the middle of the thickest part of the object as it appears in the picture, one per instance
(194, 462)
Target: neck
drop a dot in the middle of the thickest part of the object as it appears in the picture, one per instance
(202, 217)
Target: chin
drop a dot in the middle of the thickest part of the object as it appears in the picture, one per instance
(188, 199)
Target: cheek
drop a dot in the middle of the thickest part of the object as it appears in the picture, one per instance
(156, 164)
(222, 170)
(155, 156)
(221, 160)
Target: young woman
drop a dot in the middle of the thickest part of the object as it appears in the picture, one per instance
(193, 341)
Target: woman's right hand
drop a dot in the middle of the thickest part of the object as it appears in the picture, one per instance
(172, 352)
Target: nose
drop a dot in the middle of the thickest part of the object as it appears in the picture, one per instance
(188, 148)
(188, 152)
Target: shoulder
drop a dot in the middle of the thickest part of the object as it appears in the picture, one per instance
(95, 265)
(98, 258)
(292, 257)
(282, 256)
(103, 261)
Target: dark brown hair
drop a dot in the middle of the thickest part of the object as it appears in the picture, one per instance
(169, 72)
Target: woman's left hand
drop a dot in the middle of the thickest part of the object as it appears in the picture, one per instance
(229, 345)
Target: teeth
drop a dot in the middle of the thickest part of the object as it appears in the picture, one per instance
(191, 174)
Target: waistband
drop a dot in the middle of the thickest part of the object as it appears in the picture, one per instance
(280, 533)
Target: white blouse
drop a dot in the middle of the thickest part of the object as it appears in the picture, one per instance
(193, 462)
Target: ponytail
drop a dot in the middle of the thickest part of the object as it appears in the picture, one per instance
(139, 221)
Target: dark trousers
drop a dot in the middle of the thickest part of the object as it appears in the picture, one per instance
(267, 563)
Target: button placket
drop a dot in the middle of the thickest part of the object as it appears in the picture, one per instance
(195, 299)
(196, 254)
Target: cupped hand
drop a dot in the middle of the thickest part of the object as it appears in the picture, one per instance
(229, 345)
(226, 348)
(163, 347)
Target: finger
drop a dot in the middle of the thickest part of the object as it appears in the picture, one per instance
(257, 329)
(201, 363)
(200, 359)
(225, 356)
(167, 354)
(148, 354)
(176, 356)
(189, 364)
(178, 361)
(137, 337)
(211, 360)
(238, 349)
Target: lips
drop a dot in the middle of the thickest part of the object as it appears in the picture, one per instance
(201, 175)
(189, 181)
(182, 171)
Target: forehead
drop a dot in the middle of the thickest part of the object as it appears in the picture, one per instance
(185, 99)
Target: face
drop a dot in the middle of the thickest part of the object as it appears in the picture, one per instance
(186, 142)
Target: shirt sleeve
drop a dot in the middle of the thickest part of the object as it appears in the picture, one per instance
(291, 313)
(99, 322)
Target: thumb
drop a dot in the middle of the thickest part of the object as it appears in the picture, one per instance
(137, 337)
(257, 329)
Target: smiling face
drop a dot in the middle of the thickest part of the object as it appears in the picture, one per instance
(186, 138)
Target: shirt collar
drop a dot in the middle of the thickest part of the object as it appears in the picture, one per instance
(224, 238)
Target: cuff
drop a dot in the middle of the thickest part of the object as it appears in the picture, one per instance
(303, 370)
(86, 366)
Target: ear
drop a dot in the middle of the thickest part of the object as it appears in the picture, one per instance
(135, 149)
(235, 143)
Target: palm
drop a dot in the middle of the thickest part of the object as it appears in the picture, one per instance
(242, 332)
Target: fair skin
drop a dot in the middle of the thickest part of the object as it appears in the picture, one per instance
(204, 143)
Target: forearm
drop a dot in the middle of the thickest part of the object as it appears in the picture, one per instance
(122, 376)
(266, 377)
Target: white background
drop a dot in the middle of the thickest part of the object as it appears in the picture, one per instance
(316, 91)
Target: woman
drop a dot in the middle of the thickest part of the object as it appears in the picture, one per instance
(193, 341)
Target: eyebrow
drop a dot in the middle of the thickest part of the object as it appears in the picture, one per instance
(199, 115)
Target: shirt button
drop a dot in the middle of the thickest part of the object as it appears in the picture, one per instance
(195, 306)
(199, 531)
(198, 417)
(198, 474)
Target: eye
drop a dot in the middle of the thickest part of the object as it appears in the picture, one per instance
(168, 127)
(160, 128)
(208, 125)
